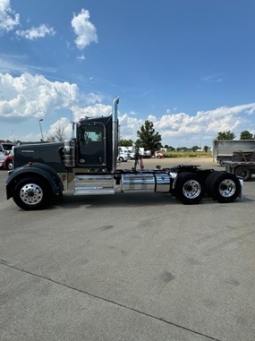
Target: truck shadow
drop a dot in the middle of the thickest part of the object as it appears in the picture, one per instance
(126, 200)
(116, 200)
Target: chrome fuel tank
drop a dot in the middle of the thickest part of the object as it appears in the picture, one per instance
(137, 182)
(162, 182)
(155, 182)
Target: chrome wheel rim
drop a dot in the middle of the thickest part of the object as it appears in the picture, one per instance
(227, 188)
(10, 166)
(191, 189)
(31, 194)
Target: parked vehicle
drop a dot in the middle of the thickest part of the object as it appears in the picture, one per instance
(222, 150)
(8, 162)
(131, 150)
(6, 147)
(87, 163)
(242, 164)
(122, 157)
(2, 158)
(158, 155)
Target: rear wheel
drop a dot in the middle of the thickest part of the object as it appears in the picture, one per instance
(243, 172)
(225, 187)
(31, 193)
(189, 188)
(209, 181)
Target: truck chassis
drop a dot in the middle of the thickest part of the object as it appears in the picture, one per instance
(32, 189)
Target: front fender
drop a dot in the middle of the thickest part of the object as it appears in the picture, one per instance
(45, 172)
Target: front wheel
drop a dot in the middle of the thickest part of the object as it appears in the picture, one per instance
(31, 193)
(189, 188)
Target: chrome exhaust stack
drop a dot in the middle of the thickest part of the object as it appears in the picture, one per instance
(114, 133)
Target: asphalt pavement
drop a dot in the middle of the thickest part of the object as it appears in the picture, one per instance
(132, 266)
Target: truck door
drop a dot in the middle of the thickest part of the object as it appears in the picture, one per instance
(92, 145)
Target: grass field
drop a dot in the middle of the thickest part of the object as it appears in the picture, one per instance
(186, 154)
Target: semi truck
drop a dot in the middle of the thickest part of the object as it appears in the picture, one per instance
(87, 165)
(222, 150)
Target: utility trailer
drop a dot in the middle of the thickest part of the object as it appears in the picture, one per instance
(222, 150)
(86, 164)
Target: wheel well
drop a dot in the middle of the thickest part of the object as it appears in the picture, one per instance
(10, 187)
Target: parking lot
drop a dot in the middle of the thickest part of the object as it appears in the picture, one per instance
(133, 266)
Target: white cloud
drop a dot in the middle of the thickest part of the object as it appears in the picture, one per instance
(8, 18)
(19, 64)
(181, 129)
(82, 57)
(27, 97)
(84, 29)
(36, 32)
(62, 123)
(91, 111)
(214, 78)
(34, 96)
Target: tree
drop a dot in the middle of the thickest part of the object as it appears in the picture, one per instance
(148, 138)
(182, 149)
(246, 135)
(225, 135)
(194, 148)
(51, 138)
(206, 148)
(169, 148)
(125, 143)
(58, 136)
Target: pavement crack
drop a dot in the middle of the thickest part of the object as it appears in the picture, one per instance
(109, 301)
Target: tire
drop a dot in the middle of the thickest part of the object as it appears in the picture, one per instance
(31, 193)
(208, 181)
(243, 172)
(9, 165)
(121, 159)
(225, 187)
(189, 188)
(209, 188)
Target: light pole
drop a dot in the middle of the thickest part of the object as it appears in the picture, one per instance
(41, 128)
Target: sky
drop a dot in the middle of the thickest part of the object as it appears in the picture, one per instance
(188, 66)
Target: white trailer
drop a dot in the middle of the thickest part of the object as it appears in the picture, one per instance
(222, 150)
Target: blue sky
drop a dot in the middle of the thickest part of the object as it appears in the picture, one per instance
(186, 65)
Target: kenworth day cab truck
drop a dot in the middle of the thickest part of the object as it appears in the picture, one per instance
(87, 165)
